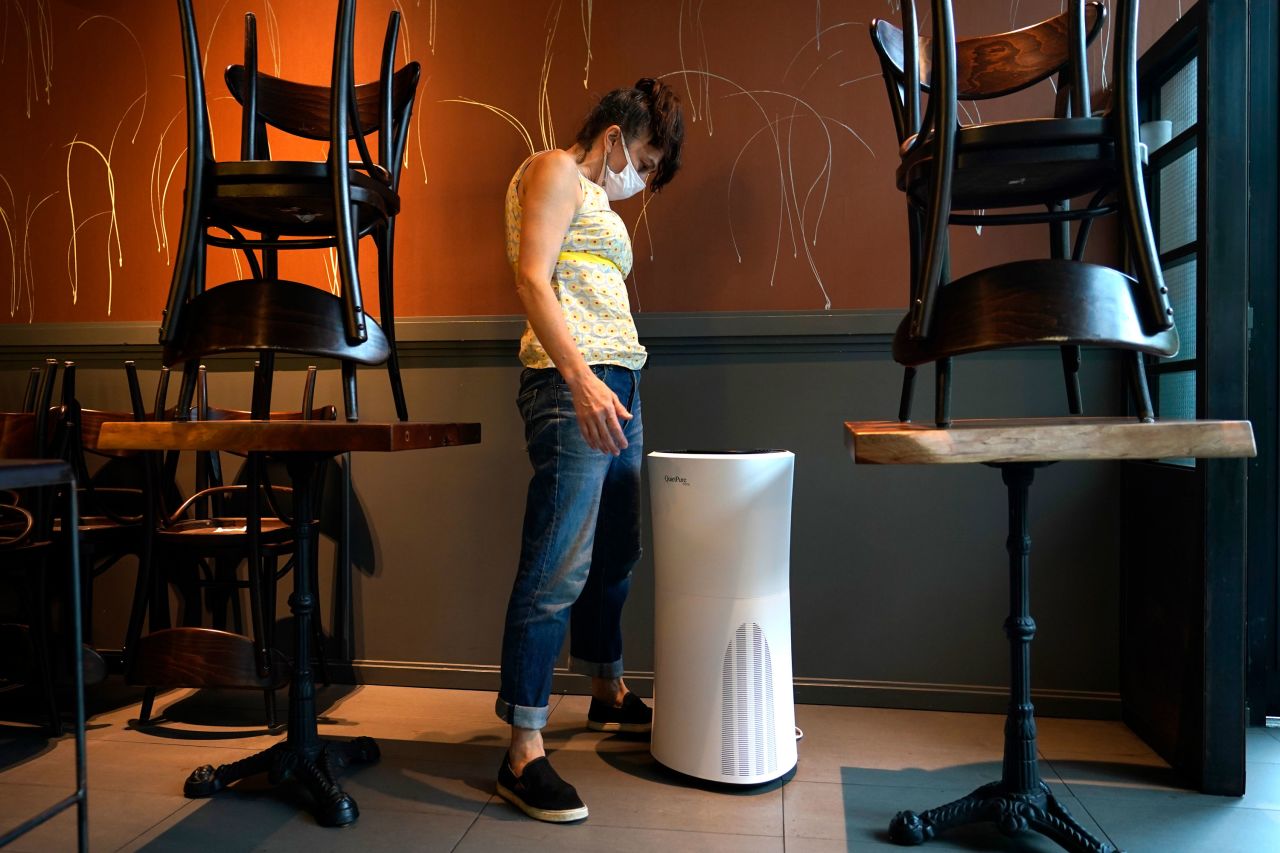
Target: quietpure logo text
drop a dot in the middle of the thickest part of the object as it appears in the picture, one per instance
(667, 478)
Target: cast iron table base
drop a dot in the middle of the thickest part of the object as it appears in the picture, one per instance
(317, 772)
(1020, 800)
(303, 755)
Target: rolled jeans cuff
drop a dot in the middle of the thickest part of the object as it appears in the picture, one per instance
(521, 716)
(611, 669)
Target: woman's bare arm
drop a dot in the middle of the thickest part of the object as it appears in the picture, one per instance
(550, 194)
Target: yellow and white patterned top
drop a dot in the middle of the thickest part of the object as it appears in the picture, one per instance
(589, 281)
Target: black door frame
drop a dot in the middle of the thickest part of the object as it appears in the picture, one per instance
(1235, 45)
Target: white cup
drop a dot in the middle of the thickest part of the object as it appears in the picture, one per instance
(1155, 134)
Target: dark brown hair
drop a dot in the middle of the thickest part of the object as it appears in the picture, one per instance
(650, 107)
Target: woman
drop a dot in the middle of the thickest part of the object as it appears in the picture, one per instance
(580, 400)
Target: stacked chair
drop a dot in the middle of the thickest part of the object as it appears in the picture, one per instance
(26, 546)
(112, 498)
(291, 206)
(1020, 172)
(219, 527)
(259, 207)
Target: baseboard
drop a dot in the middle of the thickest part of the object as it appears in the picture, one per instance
(972, 698)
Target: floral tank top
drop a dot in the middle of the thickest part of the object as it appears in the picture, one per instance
(589, 281)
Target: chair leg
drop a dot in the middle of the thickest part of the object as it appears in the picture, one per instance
(192, 595)
(237, 612)
(38, 634)
(1071, 375)
(269, 707)
(1138, 381)
(908, 389)
(138, 609)
(187, 390)
(148, 703)
(942, 393)
(349, 391)
(262, 380)
(385, 241)
(218, 596)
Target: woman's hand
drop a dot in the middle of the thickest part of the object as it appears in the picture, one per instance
(599, 410)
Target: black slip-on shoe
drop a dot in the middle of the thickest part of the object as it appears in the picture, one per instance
(633, 717)
(539, 792)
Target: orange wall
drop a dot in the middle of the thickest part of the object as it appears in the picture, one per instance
(787, 189)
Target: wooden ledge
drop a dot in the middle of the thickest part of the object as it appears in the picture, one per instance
(1044, 440)
(285, 436)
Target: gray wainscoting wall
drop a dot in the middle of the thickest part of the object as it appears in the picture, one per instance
(898, 573)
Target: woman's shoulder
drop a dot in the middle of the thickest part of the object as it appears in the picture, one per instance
(555, 165)
(552, 173)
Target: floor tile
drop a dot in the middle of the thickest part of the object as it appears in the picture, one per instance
(567, 729)
(1101, 781)
(1155, 825)
(228, 824)
(872, 746)
(156, 768)
(397, 784)
(630, 789)
(591, 837)
(216, 718)
(1262, 746)
(858, 816)
(439, 725)
(434, 786)
(1090, 739)
(115, 817)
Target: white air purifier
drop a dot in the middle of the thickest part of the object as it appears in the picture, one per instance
(724, 709)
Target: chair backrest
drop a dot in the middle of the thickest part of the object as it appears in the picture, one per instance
(384, 106)
(304, 110)
(990, 69)
(32, 434)
(117, 489)
(989, 66)
(212, 495)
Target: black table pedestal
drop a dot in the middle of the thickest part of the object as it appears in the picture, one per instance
(303, 755)
(1020, 800)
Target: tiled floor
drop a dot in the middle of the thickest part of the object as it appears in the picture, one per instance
(433, 788)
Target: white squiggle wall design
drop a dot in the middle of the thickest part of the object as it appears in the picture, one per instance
(788, 168)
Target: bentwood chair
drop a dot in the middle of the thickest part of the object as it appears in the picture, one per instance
(217, 529)
(292, 205)
(26, 538)
(111, 498)
(1036, 164)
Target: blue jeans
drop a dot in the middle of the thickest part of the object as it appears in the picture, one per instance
(581, 540)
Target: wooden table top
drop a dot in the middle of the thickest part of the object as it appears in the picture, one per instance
(1044, 440)
(285, 436)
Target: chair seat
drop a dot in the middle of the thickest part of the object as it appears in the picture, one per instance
(274, 315)
(1016, 163)
(204, 657)
(103, 529)
(293, 197)
(1030, 303)
(229, 531)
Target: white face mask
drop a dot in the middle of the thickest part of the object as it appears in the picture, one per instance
(624, 184)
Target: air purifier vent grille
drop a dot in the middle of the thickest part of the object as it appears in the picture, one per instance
(747, 729)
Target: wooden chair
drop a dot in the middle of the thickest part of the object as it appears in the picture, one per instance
(1039, 162)
(112, 498)
(219, 527)
(292, 205)
(26, 538)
